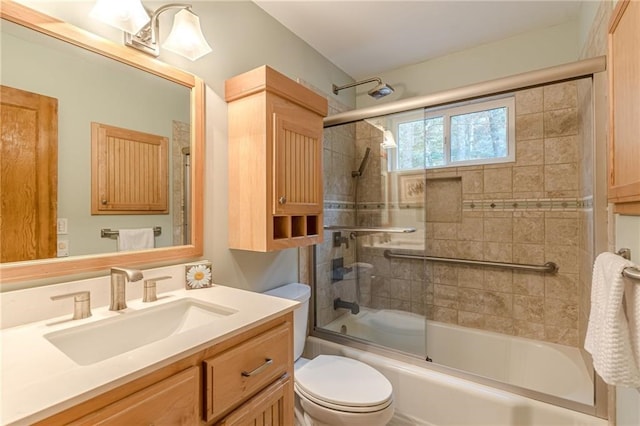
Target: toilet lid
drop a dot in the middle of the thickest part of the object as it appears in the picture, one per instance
(343, 382)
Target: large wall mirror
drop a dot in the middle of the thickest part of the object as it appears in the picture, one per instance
(92, 80)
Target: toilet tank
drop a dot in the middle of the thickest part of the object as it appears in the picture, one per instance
(300, 293)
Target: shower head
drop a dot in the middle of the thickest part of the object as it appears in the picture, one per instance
(380, 91)
(363, 164)
(377, 92)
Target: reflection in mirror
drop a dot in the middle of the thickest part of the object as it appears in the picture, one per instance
(132, 92)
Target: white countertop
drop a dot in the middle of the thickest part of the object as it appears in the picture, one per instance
(38, 380)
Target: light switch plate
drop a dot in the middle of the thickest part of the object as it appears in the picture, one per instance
(62, 225)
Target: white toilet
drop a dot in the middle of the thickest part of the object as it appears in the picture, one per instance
(333, 390)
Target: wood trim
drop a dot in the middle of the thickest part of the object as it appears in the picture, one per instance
(47, 269)
(265, 78)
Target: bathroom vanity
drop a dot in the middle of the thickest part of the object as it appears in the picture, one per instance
(226, 359)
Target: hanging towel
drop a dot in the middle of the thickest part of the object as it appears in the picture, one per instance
(613, 331)
(135, 239)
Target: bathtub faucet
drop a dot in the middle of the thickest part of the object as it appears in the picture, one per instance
(352, 306)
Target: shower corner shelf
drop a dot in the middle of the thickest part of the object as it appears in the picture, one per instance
(275, 162)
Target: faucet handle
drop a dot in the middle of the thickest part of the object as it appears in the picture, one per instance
(150, 294)
(81, 303)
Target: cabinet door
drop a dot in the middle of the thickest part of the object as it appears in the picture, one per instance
(624, 84)
(273, 406)
(297, 162)
(172, 401)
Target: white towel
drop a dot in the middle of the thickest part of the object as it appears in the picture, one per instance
(612, 334)
(135, 239)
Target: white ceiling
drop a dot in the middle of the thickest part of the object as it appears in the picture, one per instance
(365, 38)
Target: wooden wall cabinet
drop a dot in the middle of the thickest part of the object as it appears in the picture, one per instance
(275, 162)
(624, 111)
(229, 383)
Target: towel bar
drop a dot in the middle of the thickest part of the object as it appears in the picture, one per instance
(629, 272)
(111, 233)
(632, 273)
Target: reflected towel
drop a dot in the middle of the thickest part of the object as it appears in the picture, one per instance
(613, 332)
(135, 239)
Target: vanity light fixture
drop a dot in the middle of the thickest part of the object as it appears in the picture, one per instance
(185, 39)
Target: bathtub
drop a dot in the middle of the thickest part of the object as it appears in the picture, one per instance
(549, 368)
(429, 398)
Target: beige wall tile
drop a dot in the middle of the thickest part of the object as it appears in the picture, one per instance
(561, 150)
(498, 252)
(528, 228)
(498, 280)
(530, 126)
(566, 257)
(485, 302)
(561, 231)
(470, 250)
(560, 313)
(470, 277)
(528, 308)
(447, 315)
(444, 200)
(561, 177)
(528, 179)
(529, 101)
(529, 329)
(561, 286)
(528, 283)
(528, 253)
(562, 122)
(498, 180)
(472, 181)
(498, 229)
(563, 336)
(559, 96)
(445, 274)
(445, 296)
(529, 152)
(471, 229)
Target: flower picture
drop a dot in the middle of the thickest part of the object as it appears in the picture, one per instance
(198, 275)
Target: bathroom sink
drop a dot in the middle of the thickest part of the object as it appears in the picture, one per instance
(94, 342)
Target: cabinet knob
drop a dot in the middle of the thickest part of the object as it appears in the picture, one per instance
(282, 200)
(104, 202)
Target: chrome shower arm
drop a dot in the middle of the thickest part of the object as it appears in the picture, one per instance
(336, 89)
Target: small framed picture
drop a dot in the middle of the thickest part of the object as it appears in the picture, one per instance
(198, 275)
(411, 188)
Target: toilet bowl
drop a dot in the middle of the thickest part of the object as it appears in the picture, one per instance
(333, 390)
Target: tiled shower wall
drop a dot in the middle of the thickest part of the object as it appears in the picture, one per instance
(522, 212)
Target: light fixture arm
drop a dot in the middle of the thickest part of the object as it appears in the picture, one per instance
(152, 26)
(147, 38)
(336, 89)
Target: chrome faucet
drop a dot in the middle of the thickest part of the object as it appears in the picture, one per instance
(119, 278)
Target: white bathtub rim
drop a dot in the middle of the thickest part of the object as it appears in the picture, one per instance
(579, 412)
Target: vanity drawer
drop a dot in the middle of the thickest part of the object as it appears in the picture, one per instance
(242, 371)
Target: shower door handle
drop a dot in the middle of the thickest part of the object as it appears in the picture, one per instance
(283, 199)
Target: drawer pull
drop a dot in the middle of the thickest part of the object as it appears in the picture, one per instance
(267, 362)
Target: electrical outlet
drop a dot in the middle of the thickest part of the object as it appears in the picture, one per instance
(63, 248)
(62, 225)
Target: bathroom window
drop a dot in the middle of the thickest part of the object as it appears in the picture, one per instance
(473, 133)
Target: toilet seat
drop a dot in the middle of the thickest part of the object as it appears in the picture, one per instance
(343, 384)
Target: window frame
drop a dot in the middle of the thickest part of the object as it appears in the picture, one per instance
(449, 111)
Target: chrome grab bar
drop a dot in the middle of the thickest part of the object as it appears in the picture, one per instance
(391, 230)
(550, 267)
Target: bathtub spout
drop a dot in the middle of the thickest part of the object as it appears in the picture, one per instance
(352, 306)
